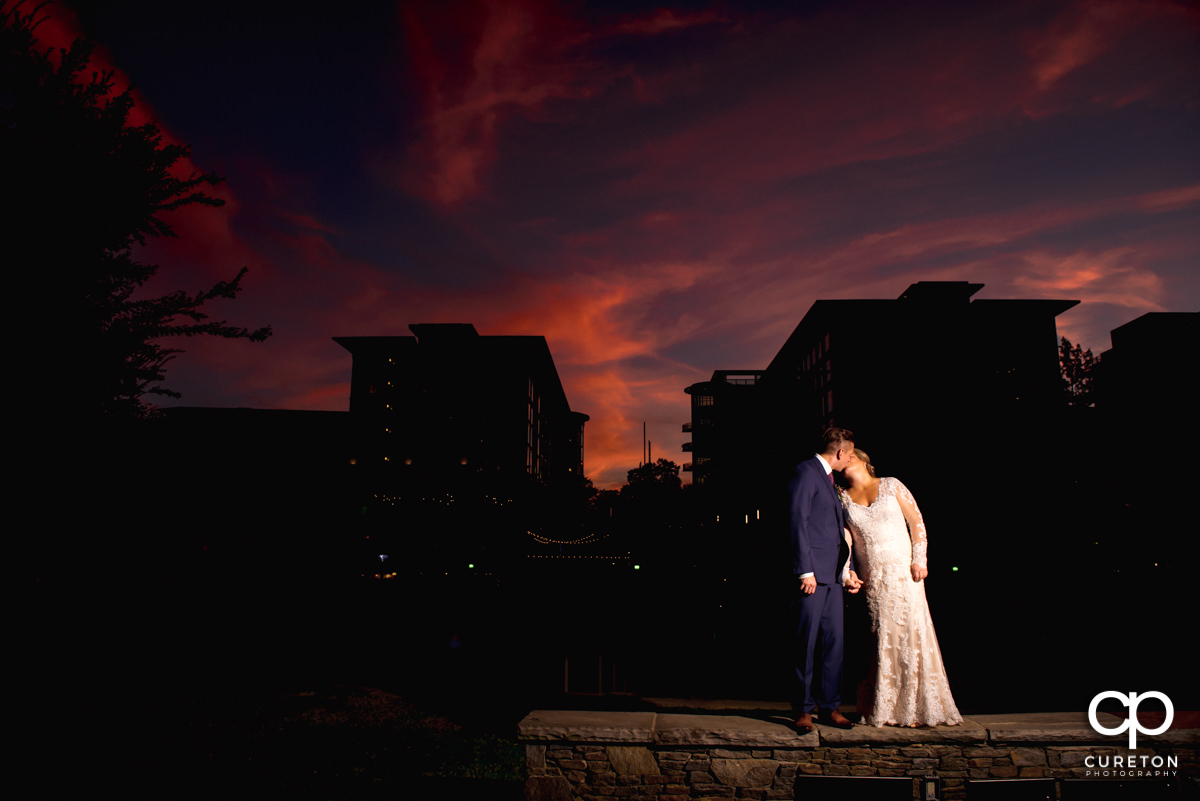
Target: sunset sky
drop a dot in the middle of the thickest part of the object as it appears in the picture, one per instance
(659, 190)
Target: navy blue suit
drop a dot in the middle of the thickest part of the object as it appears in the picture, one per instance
(818, 547)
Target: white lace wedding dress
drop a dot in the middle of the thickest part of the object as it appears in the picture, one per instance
(910, 680)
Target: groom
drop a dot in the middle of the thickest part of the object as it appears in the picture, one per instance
(820, 554)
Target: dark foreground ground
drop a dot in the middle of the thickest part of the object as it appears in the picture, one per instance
(336, 742)
(266, 683)
(269, 740)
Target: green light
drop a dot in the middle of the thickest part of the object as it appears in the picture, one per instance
(471, 566)
(637, 567)
(954, 569)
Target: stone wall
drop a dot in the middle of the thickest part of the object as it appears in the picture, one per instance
(642, 756)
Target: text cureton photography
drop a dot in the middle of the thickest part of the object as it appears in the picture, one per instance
(1131, 765)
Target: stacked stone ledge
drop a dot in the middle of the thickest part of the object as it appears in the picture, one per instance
(637, 773)
(644, 756)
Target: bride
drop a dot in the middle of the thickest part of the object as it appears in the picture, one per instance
(911, 688)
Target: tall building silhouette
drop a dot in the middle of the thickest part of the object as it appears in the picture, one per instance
(894, 371)
(465, 444)
(939, 389)
(448, 398)
(1144, 393)
(1150, 369)
(455, 444)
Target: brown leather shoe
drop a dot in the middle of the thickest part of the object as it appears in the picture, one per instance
(804, 724)
(837, 719)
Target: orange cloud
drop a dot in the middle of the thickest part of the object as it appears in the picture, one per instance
(592, 334)
(1113, 276)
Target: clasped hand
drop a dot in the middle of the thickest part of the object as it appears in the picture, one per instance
(852, 583)
(919, 572)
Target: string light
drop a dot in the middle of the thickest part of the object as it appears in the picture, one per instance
(582, 541)
(447, 499)
(612, 559)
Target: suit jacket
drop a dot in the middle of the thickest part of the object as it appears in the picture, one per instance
(815, 523)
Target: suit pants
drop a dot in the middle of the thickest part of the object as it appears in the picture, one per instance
(819, 614)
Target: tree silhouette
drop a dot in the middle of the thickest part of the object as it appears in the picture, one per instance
(659, 476)
(1077, 365)
(653, 494)
(82, 187)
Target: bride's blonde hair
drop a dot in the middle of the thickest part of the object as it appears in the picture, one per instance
(861, 454)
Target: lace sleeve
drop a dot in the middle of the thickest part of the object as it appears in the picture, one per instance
(916, 524)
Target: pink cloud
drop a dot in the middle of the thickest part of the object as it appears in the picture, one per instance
(507, 69)
(1096, 52)
(1075, 38)
(520, 59)
(1171, 199)
(662, 20)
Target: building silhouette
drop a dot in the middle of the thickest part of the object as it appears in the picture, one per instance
(1150, 369)
(727, 429)
(448, 398)
(939, 389)
(465, 445)
(454, 444)
(930, 371)
(1139, 440)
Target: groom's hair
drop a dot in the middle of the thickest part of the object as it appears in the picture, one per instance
(834, 437)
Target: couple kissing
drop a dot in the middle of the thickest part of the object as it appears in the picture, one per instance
(871, 538)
